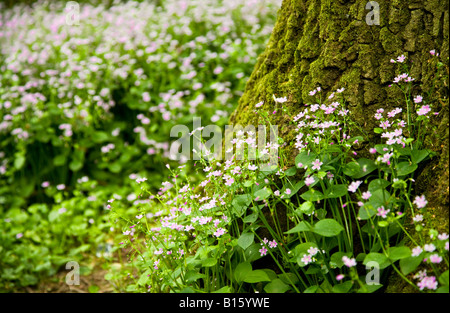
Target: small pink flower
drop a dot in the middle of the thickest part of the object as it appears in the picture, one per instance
(45, 184)
(366, 195)
(416, 251)
(307, 258)
(418, 99)
(340, 277)
(420, 201)
(382, 212)
(316, 164)
(309, 180)
(349, 262)
(435, 258)
(263, 251)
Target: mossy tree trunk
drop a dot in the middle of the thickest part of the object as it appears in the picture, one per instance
(330, 44)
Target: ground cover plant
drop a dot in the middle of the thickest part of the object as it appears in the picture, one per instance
(334, 222)
(88, 95)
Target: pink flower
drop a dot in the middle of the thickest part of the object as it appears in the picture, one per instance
(340, 277)
(416, 251)
(424, 110)
(435, 258)
(420, 202)
(45, 184)
(288, 191)
(306, 259)
(252, 167)
(418, 99)
(349, 262)
(316, 164)
(366, 195)
(428, 282)
(382, 212)
(401, 58)
(263, 251)
(309, 180)
(429, 247)
(219, 232)
(418, 218)
(354, 186)
(273, 244)
(146, 97)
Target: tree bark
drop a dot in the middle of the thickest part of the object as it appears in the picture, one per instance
(334, 44)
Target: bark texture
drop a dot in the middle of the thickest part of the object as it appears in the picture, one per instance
(329, 44)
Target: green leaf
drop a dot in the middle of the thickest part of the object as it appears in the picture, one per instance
(312, 195)
(307, 207)
(144, 278)
(443, 289)
(59, 160)
(19, 161)
(336, 191)
(397, 253)
(262, 193)
(328, 227)
(252, 253)
(405, 168)
(288, 278)
(294, 189)
(276, 286)
(241, 271)
(418, 156)
(240, 204)
(351, 169)
(256, 276)
(409, 264)
(366, 167)
(302, 226)
(93, 289)
(379, 258)
(251, 218)
(291, 171)
(311, 289)
(209, 262)
(115, 167)
(192, 276)
(342, 288)
(443, 279)
(378, 184)
(100, 136)
(245, 240)
(224, 289)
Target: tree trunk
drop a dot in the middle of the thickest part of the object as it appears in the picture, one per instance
(334, 44)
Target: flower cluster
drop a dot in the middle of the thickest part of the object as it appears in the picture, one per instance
(319, 123)
(266, 243)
